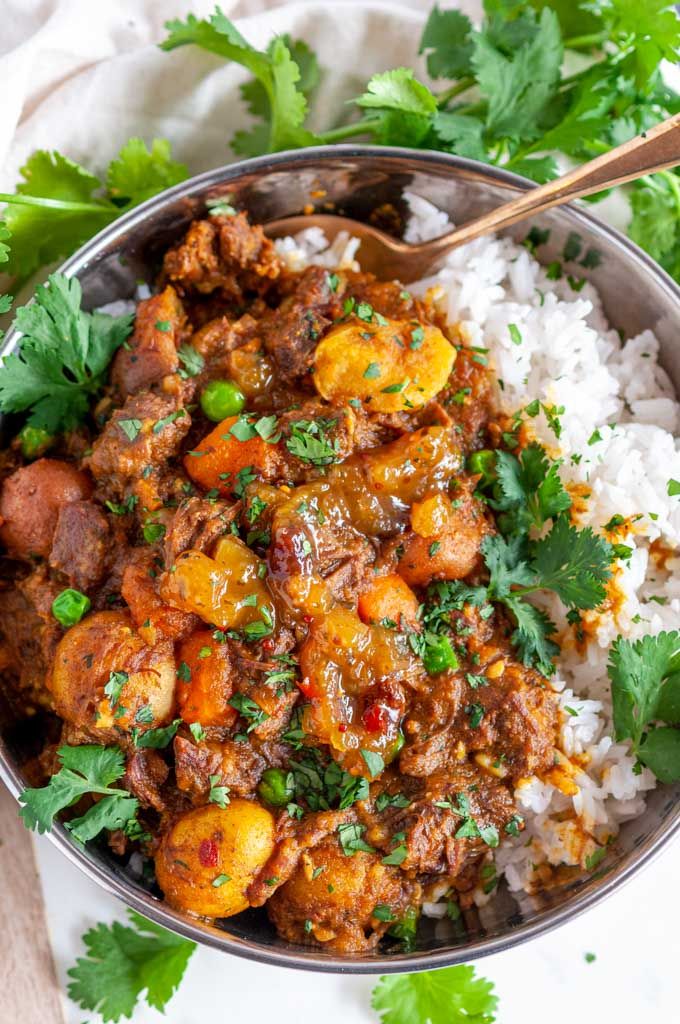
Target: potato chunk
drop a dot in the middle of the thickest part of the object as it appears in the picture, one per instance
(389, 366)
(209, 857)
(225, 591)
(104, 648)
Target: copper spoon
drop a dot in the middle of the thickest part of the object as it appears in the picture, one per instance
(655, 150)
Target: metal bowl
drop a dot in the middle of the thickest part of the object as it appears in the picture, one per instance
(364, 182)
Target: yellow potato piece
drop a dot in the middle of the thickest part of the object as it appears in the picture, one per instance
(389, 366)
(210, 856)
(103, 646)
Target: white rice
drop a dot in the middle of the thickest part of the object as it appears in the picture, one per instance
(620, 419)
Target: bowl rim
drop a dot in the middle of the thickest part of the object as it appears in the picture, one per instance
(296, 957)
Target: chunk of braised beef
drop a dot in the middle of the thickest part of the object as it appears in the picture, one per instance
(237, 765)
(82, 544)
(197, 524)
(151, 353)
(132, 457)
(291, 332)
(145, 775)
(29, 634)
(226, 254)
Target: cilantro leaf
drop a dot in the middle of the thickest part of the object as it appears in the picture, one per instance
(655, 224)
(138, 173)
(460, 133)
(398, 90)
(531, 487)
(122, 962)
(42, 233)
(507, 564)
(448, 38)
(255, 95)
(637, 669)
(573, 563)
(668, 708)
(587, 116)
(309, 443)
(531, 636)
(406, 106)
(156, 738)
(648, 29)
(111, 812)
(55, 209)
(61, 358)
(84, 770)
(538, 168)
(518, 86)
(4, 248)
(452, 995)
(660, 752)
(574, 20)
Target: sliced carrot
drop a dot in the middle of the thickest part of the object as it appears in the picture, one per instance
(206, 677)
(220, 457)
(390, 598)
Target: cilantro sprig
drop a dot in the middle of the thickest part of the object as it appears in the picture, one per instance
(505, 97)
(58, 205)
(62, 356)
(124, 961)
(276, 96)
(85, 770)
(645, 685)
(504, 94)
(527, 494)
(573, 563)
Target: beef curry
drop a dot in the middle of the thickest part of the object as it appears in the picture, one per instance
(249, 573)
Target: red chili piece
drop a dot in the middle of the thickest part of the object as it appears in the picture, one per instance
(376, 718)
(208, 853)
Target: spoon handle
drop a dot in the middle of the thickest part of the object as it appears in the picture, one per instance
(657, 149)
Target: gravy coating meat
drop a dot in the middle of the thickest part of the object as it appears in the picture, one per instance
(270, 597)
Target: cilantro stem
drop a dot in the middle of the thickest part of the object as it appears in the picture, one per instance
(462, 86)
(674, 184)
(583, 42)
(473, 108)
(59, 204)
(345, 131)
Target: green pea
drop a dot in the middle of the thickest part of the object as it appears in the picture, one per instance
(276, 787)
(439, 656)
(70, 606)
(222, 398)
(483, 463)
(34, 441)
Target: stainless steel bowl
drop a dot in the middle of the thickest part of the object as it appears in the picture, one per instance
(360, 181)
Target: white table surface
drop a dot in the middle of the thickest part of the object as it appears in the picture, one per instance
(635, 978)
